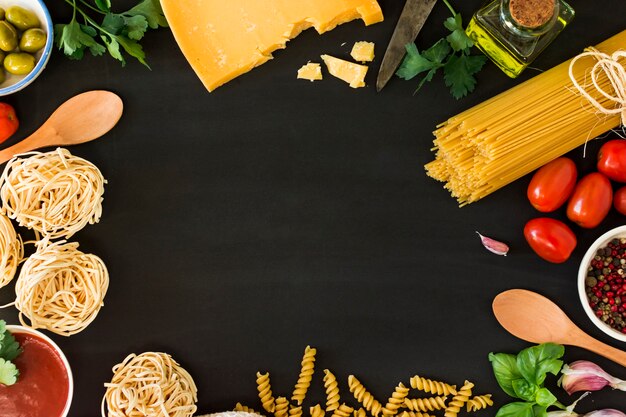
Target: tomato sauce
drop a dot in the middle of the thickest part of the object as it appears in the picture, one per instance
(42, 387)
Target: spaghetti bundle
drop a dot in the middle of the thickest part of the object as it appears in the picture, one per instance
(11, 251)
(60, 288)
(522, 129)
(54, 193)
(150, 384)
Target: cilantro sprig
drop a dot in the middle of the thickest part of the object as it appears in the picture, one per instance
(115, 34)
(9, 350)
(451, 54)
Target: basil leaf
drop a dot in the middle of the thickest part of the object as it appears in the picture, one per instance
(525, 390)
(104, 5)
(505, 370)
(536, 361)
(545, 398)
(540, 411)
(517, 409)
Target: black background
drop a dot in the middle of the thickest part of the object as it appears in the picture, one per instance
(241, 225)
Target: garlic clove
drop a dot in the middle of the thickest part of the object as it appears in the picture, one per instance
(587, 376)
(494, 246)
(609, 412)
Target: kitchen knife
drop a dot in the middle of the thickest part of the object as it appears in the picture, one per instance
(411, 20)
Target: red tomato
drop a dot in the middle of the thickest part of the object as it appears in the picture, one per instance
(550, 239)
(552, 184)
(619, 200)
(612, 160)
(591, 200)
(8, 121)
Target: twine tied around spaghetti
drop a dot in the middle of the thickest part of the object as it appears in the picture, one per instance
(610, 67)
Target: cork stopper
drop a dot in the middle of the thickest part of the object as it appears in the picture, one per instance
(531, 13)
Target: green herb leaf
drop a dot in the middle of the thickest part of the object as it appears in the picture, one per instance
(545, 398)
(114, 48)
(413, 63)
(8, 372)
(136, 26)
(517, 409)
(525, 390)
(458, 39)
(152, 11)
(113, 23)
(540, 411)
(9, 348)
(438, 52)
(536, 362)
(459, 73)
(133, 49)
(104, 5)
(73, 40)
(505, 370)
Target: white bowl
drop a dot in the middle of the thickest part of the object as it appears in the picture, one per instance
(602, 241)
(70, 379)
(15, 83)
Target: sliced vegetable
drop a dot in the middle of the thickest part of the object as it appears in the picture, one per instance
(552, 185)
(591, 200)
(551, 239)
(612, 160)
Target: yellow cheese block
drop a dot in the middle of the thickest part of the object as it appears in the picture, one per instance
(353, 74)
(363, 51)
(311, 71)
(223, 39)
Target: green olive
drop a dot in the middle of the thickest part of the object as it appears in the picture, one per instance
(19, 63)
(8, 36)
(2, 13)
(21, 18)
(32, 40)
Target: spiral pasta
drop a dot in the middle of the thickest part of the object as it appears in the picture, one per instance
(295, 411)
(264, 387)
(457, 402)
(54, 193)
(479, 402)
(414, 414)
(60, 288)
(306, 375)
(429, 386)
(149, 384)
(396, 400)
(11, 250)
(362, 395)
(332, 390)
(281, 407)
(425, 404)
(343, 411)
(317, 411)
(245, 409)
(360, 412)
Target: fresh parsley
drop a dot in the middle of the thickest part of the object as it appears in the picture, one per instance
(451, 53)
(115, 34)
(9, 350)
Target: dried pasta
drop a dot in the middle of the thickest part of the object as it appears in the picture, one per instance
(414, 414)
(150, 384)
(54, 193)
(459, 400)
(343, 411)
(317, 411)
(11, 250)
(429, 386)
(281, 408)
(360, 412)
(362, 395)
(332, 390)
(245, 409)
(295, 411)
(425, 404)
(264, 387)
(512, 134)
(60, 288)
(306, 375)
(479, 402)
(396, 400)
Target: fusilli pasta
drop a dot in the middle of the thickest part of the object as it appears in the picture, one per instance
(245, 409)
(425, 404)
(306, 375)
(281, 407)
(363, 396)
(265, 391)
(360, 412)
(414, 414)
(396, 400)
(295, 411)
(317, 411)
(459, 400)
(479, 402)
(430, 386)
(343, 411)
(332, 390)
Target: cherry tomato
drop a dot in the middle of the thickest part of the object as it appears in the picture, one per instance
(8, 121)
(552, 185)
(612, 160)
(550, 239)
(619, 200)
(591, 200)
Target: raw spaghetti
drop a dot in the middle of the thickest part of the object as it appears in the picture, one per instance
(11, 250)
(151, 384)
(60, 288)
(54, 193)
(512, 134)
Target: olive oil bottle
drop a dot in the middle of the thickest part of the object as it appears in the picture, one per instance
(512, 33)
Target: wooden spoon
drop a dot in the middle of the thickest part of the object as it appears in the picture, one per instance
(534, 318)
(80, 119)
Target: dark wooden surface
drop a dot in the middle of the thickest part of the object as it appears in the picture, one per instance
(242, 225)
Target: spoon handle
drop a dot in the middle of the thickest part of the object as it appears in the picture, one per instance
(587, 342)
(38, 139)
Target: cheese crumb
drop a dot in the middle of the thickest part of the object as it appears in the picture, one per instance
(311, 71)
(353, 74)
(363, 51)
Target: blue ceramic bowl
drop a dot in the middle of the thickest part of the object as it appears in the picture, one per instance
(15, 83)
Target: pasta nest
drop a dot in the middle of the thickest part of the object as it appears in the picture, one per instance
(151, 384)
(11, 251)
(60, 288)
(54, 193)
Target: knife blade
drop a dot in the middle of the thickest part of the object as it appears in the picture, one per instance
(412, 18)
